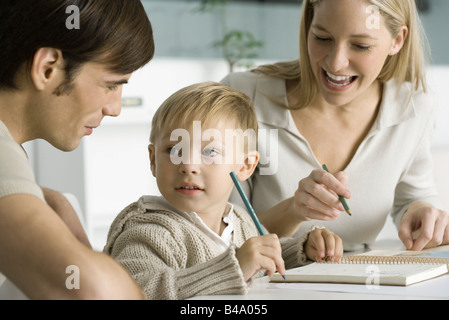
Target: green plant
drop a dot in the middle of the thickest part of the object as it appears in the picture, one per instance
(239, 47)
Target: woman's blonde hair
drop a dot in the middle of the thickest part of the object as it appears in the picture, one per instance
(406, 66)
(206, 102)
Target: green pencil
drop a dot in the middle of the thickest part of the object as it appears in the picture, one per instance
(342, 199)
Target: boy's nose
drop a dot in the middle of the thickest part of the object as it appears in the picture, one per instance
(189, 168)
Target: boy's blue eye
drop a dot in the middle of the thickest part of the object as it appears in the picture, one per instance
(210, 152)
(174, 151)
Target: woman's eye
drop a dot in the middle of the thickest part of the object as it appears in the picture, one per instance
(322, 39)
(363, 48)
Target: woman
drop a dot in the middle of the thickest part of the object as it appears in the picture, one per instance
(356, 101)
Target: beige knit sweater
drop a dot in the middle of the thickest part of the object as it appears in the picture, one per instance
(170, 258)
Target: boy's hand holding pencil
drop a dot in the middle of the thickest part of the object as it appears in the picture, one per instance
(261, 253)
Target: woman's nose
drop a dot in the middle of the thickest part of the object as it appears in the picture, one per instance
(338, 59)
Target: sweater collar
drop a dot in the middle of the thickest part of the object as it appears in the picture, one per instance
(223, 241)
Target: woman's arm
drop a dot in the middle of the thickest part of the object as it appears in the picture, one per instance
(416, 212)
(281, 219)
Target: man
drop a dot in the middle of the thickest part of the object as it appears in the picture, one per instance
(63, 66)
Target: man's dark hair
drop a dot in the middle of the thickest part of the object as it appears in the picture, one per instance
(115, 33)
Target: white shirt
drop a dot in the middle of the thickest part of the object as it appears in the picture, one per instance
(392, 167)
(223, 241)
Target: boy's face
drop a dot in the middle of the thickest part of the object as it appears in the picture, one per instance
(192, 172)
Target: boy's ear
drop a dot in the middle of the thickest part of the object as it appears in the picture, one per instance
(152, 159)
(249, 165)
(46, 64)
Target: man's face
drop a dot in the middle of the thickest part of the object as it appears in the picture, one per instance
(94, 94)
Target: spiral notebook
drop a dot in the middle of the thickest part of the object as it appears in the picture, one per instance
(401, 268)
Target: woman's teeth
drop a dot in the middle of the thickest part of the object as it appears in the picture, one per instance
(339, 81)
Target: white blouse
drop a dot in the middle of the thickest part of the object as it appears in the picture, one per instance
(391, 169)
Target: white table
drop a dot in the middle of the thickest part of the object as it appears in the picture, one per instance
(262, 289)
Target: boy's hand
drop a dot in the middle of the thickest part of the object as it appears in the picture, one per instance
(323, 244)
(261, 253)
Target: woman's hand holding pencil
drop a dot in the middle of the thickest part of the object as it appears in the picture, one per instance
(341, 198)
(319, 196)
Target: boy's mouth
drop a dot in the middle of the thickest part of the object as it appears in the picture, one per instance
(189, 189)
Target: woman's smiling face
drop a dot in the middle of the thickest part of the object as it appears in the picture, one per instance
(348, 44)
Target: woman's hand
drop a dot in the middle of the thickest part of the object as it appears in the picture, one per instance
(323, 244)
(317, 196)
(424, 226)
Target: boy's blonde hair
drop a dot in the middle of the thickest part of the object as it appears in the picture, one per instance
(406, 66)
(206, 102)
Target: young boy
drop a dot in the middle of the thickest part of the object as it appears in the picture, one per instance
(191, 241)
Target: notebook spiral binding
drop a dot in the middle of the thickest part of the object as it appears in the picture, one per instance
(361, 259)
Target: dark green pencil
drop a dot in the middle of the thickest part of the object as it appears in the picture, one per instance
(342, 199)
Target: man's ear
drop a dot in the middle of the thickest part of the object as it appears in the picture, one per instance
(399, 41)
(152, 159)
(249, 165)
(46, 64)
